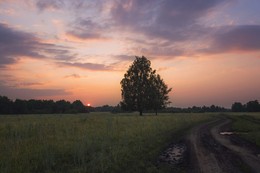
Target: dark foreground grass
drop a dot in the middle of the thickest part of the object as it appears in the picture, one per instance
(248, 126)
(91, 143)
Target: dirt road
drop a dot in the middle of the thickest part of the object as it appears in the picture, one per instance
(212, 152)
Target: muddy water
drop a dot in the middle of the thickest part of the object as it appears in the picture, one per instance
(174, 154)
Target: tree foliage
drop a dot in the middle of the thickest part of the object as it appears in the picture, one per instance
(32, 106)
(237, 107)
(251, 106)
(143, 89)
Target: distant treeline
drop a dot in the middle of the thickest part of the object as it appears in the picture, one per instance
(32, 106)
(194, 109)
(197, 109)
(251, 106)
(18, 106)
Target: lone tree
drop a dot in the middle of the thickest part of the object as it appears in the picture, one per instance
(143, 89)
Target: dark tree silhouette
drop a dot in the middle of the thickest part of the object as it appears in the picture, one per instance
(237, 107)
(32, 106)
(5, 105)
(62, 106)
(253, 106)
(78, 106)
(20, 107)
(142, 88)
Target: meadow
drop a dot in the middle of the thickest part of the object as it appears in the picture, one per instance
(94, 142)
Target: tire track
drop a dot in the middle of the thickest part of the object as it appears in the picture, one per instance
(214, 153)
(247, 155)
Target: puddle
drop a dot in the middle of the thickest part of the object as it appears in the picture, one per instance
(227, 133)
(173, 155)
(232, 133)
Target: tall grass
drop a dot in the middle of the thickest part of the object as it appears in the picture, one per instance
(96, 142)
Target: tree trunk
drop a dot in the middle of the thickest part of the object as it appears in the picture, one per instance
(156, 111)
(140, 112)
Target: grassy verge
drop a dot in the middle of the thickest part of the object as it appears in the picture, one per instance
(96, 142)
(248, 125)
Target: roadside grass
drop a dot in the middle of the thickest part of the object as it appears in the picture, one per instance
(248, 125)
(94, 143)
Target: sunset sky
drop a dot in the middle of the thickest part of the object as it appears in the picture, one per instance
(208, 51)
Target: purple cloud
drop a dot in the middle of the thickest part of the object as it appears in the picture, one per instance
(87, 66)
(14, 44)
(50, 4)
(76, 76)
(86, 29)
(244, 37)
(75, 5)
(29, 84)
(27, 93)
(124, 57)
(171, 20)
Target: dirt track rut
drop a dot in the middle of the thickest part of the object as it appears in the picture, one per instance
(215, 153)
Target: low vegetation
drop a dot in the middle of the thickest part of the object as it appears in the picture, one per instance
(248, 126)
(94, 142)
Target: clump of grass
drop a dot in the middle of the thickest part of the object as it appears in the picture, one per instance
(93, 142)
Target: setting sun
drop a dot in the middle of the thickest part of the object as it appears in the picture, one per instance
(88, 104)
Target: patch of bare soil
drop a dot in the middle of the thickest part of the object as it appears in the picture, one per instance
(205, 150)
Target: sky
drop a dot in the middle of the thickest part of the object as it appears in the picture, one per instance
(207, 51)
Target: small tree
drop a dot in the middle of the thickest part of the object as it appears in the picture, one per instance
(142, 88)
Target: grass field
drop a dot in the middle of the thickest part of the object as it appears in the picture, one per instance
(94, 143)
(248, 125)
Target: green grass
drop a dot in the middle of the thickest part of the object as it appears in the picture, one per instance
(94, 143)
(248, 124)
